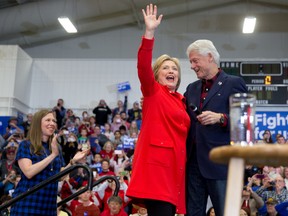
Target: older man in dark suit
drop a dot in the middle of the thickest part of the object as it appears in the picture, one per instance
(209, 128)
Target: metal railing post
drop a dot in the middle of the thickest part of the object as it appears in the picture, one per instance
(50, 180)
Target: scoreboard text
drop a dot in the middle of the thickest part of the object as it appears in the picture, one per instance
(267, 80)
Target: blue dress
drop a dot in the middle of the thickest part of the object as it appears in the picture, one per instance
(44, 201)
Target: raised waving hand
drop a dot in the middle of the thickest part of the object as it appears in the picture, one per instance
(151, 20)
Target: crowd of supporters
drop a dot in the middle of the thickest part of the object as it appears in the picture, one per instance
(111, 135)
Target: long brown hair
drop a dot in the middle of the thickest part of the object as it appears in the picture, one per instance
(35, 132)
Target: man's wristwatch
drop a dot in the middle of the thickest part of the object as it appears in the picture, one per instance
(222, 119)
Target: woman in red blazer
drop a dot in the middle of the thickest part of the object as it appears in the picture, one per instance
(158, 173)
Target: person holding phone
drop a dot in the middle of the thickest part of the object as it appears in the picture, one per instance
(158, 175)
(102, 112)
(13, 128)
(60, 112)
(8, 183)
(9, 163)
(38, 158)
(119, 161)
(273, 187)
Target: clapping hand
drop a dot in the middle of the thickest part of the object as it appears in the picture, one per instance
(80, 155)
(54, 145)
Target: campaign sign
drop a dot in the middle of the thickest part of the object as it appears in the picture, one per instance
(276, 122)
(128, 143)
(125, 86)
(20, 117)
(3, 124)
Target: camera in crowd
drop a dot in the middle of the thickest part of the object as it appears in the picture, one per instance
(272, 186)
(272, 183)
(260, 176)
(13, 177)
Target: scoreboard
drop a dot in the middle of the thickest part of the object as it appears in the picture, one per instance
(267, 80)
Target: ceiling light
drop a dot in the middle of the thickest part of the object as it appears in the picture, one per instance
(67, 24)
(249, 25)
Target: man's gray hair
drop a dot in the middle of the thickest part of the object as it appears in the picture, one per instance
(204, 47)
(116, 199)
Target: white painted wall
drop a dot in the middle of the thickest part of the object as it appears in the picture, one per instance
(83, 82)
(23, 78)
(8, 56)
(15, 80)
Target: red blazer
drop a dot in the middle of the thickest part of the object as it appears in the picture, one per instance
(158, 170)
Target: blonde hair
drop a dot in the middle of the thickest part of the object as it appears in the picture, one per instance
(107, 143)
(35, 132)
(160, 60)
(131, 129)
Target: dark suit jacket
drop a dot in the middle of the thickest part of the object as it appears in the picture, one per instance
(204, 138)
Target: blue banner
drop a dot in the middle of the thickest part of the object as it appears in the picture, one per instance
(3, 124)
(5, 119)
(276, 122)
(125, 86)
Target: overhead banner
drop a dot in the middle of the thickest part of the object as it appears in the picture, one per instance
(276, 122)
